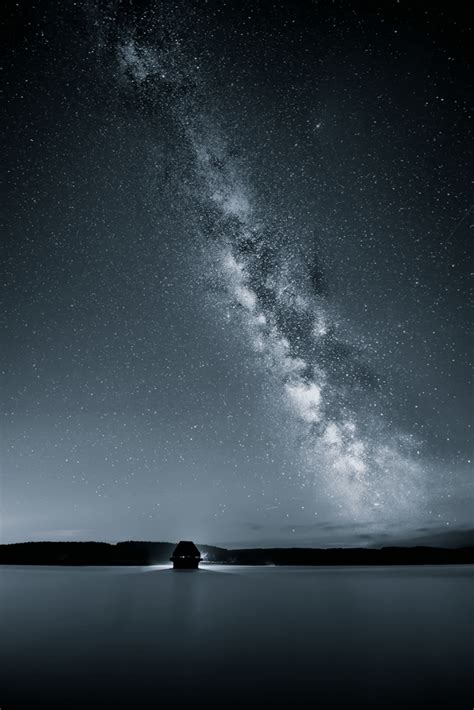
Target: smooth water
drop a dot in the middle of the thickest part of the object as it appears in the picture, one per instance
(135, 637)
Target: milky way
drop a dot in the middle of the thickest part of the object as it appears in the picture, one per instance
(349, 454)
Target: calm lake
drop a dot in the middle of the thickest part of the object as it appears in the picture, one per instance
(133, 637)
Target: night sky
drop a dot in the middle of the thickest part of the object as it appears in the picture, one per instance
(235, 271)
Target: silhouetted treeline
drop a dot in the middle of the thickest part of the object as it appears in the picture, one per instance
(354, 556)
(147, 553)
(85, 553)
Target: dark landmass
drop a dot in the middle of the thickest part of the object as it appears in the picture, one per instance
(429, 537)
(149, 553)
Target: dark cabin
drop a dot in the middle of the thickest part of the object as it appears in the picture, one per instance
(185, 555)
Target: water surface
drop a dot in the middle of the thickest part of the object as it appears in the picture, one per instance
(99, 637)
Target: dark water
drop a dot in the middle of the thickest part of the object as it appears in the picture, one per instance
(237, 637)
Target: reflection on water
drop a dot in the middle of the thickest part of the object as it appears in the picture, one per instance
(236, 637)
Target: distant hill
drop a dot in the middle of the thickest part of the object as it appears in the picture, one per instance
(440, 538)
(148, 553)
